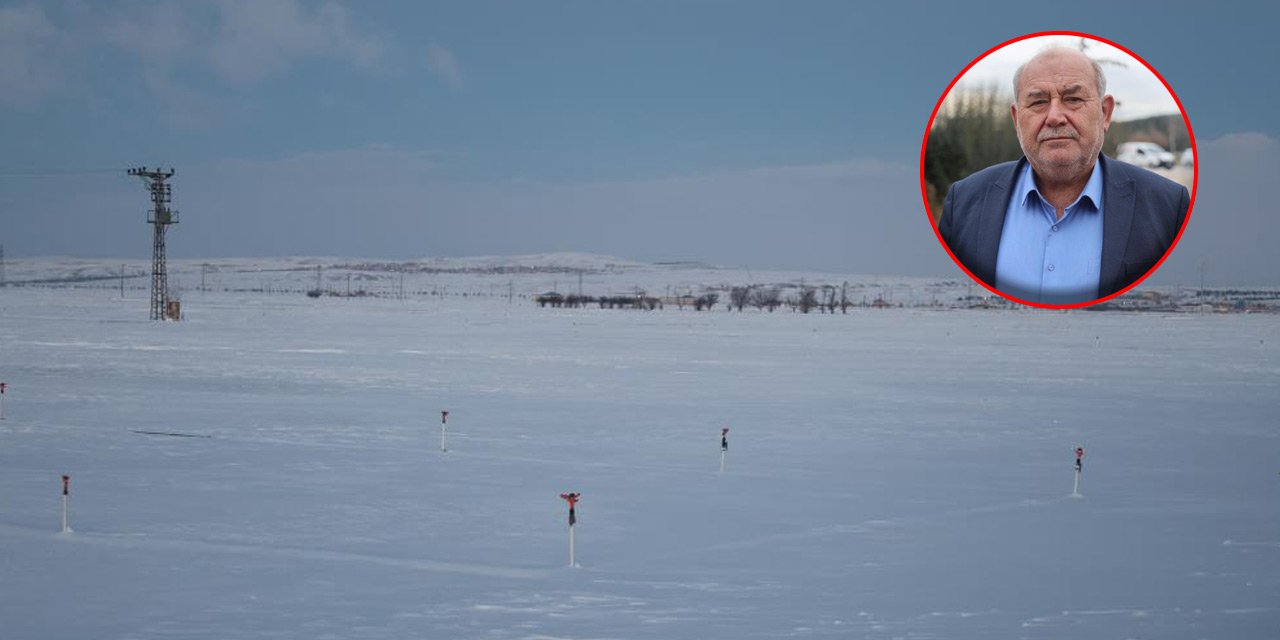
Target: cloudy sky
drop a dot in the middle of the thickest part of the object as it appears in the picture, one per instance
(764, 134)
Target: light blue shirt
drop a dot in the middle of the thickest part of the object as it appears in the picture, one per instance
(1046, 260)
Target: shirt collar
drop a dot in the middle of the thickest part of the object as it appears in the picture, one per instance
(1092, 189)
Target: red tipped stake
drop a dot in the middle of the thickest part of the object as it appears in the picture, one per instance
(444, 418)
(572, 499)
(66, 495)
(1075, 491)
(724, 446)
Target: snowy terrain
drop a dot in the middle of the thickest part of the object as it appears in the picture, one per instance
(892, 473)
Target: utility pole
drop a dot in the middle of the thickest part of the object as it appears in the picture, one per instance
(160, 217)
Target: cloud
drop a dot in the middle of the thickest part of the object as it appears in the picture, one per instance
(259, 39)
(1233, 226)
(33, 56)
(165, 42)
(444, 65)
(189, 108)
(158, 35)
(858, 216)
(47, 49)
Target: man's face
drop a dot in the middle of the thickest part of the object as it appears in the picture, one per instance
(1059, 116)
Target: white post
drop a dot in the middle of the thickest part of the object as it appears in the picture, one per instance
(444, 417)
(1075, 491)
(722, 453)
(66, 491)
(572, 499)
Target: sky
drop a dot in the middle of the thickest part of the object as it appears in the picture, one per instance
(762, 134)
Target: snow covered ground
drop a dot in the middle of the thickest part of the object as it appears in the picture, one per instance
(892, 473)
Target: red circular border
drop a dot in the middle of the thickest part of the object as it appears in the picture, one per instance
(1195, 180)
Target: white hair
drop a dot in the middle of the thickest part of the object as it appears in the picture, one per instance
(1099, 78)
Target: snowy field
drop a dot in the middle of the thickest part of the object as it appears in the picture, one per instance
(892, 473)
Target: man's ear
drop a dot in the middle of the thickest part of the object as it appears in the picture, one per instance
(1108, 105)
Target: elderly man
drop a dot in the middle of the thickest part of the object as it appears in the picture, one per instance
(1065, 224)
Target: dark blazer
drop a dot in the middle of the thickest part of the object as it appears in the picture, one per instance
(1142, 214)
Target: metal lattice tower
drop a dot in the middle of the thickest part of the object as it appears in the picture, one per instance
(160, 217)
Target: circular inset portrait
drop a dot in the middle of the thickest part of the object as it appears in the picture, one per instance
(1058, 169)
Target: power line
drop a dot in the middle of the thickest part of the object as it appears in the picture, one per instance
(55, 174)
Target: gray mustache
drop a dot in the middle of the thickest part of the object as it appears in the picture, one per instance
(1058, 132)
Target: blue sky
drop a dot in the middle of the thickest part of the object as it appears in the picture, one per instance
(771, 134)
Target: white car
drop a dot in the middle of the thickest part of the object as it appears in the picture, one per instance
(1144, 154)
(1188, 158)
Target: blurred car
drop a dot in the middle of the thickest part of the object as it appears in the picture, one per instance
(1144, 154)
(1188, 158)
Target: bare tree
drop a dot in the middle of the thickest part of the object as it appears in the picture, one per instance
(775, 299)
(739, 297)
(766, 298)
(808, 299)
(829, 298)
(550, 298)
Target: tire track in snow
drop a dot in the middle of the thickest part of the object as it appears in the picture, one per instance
(146, 541)
(871, 524)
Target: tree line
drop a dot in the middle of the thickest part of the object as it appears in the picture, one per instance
(805, 299)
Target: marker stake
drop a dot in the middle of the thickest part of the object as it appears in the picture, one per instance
(724, 446)
(66, 497)
(444, 417)
(572, 499)
(1075, 490)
